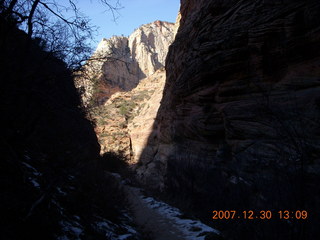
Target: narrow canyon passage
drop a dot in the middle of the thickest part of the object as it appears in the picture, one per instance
(160, 221)
(152, 223)
(214, 110)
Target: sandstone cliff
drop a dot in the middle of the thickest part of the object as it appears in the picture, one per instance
(119, 63)
(238, 126)
(125, 121)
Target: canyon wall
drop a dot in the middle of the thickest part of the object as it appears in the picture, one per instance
(53, 183)
(238, 125)
(125, 121)
(119, 63)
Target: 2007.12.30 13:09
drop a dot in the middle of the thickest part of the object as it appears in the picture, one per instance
(263, 214)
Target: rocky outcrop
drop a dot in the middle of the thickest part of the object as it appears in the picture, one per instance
(125, 121)
(119, 63)
(149, 46)
(238, 126)
(118, 67)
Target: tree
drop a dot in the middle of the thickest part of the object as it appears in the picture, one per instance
(58, 32)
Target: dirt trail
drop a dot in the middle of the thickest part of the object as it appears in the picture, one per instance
(157, 226)
(160, 221)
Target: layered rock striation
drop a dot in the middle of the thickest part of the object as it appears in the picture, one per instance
(133, 72)
(125, 121)
(119, 63)
(238, 126)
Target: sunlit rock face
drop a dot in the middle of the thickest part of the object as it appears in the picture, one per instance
(125, 121)
(117, 67)
(239, 119)
(119, 63)
(149, 46)
(141, 126)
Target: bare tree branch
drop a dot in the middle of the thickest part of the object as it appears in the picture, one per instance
(30, 17)
(66, 37)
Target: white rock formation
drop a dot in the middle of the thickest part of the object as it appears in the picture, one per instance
(149, 46)
(119, 63)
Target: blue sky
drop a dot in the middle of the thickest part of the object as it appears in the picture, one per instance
(133, 14)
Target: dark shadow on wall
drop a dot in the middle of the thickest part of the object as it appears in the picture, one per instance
(50, 176)
(238, 126)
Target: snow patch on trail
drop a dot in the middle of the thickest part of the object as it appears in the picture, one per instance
(72, 230)
(113, 231)
(34, 182)
(32, 171)
(192, 229)
(162, 221)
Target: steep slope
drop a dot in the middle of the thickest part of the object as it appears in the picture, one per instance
(124, 122)
(119, 63)
(238, 126)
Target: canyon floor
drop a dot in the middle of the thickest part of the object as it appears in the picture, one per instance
(159, 221)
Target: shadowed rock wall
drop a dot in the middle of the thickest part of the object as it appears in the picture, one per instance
(238, 126)
(52, 184)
